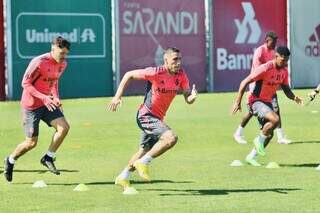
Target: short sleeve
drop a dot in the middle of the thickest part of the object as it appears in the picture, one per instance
(259, 71)
(286, 79)
(148, 73)
(184, 82)
(256, 61)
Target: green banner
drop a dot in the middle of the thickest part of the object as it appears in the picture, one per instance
(34, 23)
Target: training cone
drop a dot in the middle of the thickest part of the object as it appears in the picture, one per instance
(318, 168)
(272, 165)
(236, 163)
(81, 188)
(39, 184)
(130, 191)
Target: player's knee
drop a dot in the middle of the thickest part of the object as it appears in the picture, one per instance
(31, 143)
(172, 140)
(64, 129)
(275, 120)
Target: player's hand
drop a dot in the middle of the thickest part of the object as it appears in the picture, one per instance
(114, 103)
(298, 100)
(49, 103)
(56, 101)
(235, 108)
(194, 93)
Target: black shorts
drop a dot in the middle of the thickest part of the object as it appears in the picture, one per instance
(152, 129)
(31, 119)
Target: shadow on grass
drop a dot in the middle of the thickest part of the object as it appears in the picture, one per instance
(302, 142)
(301, 165)
(108, 183)
(170, 192)
(41, 171)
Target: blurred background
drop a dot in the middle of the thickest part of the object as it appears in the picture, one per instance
(110, 37)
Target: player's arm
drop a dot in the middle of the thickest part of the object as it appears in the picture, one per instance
(127, 78)
(31, 75)
(243, 85)
(190, 95)
(314, 92)
(55, 93)
(288, 92)
(255, 75)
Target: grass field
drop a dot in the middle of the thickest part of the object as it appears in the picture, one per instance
(194, 176)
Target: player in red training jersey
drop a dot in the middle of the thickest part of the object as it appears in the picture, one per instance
(263, 54)
(268, 78)
(40, 101)
(163, 84)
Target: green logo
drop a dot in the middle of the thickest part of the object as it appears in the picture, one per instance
(85, 31)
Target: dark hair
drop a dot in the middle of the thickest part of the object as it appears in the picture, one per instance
(272, 35)
(61, 42)
(171, 49)
(283, 50)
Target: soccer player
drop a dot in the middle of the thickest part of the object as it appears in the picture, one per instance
(157, 137)
(40, 101)
(263, 54)
(267, 77)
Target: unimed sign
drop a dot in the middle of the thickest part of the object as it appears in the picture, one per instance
(88, 28)
(238, 28)
(86, 32)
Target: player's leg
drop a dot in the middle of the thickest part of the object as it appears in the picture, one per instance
(251, 158)
(123, 178)
(238, 135)
(264, 111)
(57, 120)
(280, 133)
(30, 119)
(166, 141)
(159, 138)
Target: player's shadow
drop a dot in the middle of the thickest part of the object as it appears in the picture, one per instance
(193, 192)
(158, 181)
(308, 165)
(302, 142)
(41, 171)
(108, 183)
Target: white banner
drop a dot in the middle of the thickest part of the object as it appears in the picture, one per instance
(305, 42)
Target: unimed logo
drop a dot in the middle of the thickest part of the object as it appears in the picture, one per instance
(313, 49)
(76, 35)
(86, 32)
(248, 21)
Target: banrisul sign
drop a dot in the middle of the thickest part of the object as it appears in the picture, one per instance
(86, 32)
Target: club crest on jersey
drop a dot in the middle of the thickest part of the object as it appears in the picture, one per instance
(177, 82)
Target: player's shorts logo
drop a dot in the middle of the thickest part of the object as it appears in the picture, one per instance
(242, 27)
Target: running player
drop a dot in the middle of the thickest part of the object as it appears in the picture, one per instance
(261, 55)
(268, 78)
(40, 101)
(157, 137)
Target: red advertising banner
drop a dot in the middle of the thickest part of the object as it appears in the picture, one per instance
(2, 57)
(147, 27)
(239, 28)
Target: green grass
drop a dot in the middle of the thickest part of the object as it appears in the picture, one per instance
(194, 176)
